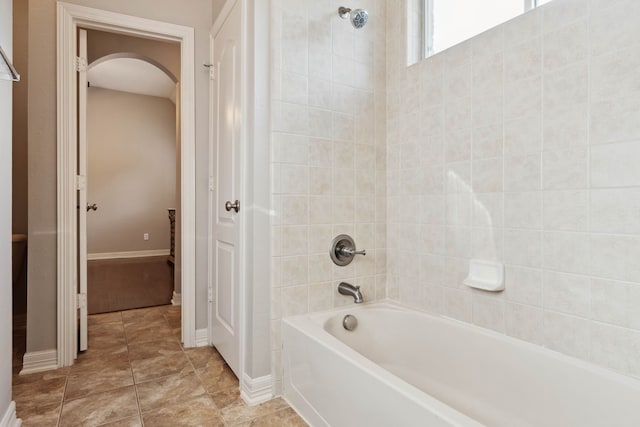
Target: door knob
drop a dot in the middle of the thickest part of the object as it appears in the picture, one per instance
(235, 206)
(92, 207)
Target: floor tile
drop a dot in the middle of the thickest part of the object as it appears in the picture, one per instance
(217, 377)
(109, 375)
(100, 408)
(202, 356)
(168, 391)
(39, 416)
(240, 412)
(160, 366)
(96, 319)
(126, 422)
(196, 412)
(284, 418)
(39, 393)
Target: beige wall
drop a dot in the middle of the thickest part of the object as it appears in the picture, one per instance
(42, 150)
(5, 214)
(101, 43)
(20, 112)
(216, 8)
(131, 171)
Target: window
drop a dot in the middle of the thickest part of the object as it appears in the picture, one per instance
(436, 25)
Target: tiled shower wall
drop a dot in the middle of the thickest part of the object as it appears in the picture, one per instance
(328, 155)
(522, 145)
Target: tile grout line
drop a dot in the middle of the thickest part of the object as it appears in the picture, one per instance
(133, 378)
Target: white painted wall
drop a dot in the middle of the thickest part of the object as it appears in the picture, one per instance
(6, 88)
(131, 171)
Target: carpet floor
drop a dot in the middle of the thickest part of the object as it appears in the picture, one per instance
(124, 284)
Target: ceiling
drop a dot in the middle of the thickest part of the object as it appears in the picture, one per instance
(132, 75)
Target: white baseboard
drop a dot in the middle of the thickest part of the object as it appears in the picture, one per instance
(202, 337)
(176, 299)
(256, 390)
(132, 254)
(10, 419)
(39, 361)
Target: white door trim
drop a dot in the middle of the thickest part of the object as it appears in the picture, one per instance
(70, 17)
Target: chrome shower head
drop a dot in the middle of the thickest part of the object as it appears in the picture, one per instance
(358, 17)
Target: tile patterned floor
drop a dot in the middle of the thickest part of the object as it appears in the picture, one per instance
(136, 373)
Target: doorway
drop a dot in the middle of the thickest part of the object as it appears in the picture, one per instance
(131, 151)
(70, 19)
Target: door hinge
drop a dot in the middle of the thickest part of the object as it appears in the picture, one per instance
(81, 64)
(210, 294)
(212, 72)
(82, 301)
(211, 187)
(81, 182)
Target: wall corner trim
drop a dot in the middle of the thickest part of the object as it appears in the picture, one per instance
(39, 361)
(256, 390)
(202, 337)
(9, 419)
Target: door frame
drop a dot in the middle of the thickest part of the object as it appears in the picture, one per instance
(256, 379)
(69, 18)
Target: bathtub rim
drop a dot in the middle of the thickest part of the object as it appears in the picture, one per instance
(311, 321)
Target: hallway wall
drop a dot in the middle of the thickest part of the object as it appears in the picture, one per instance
(42, 150)
(131, 166)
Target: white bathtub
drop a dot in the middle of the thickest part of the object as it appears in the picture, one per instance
(404, 368)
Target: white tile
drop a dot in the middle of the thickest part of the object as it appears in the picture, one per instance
(615, 120)
(568, 252)
(567, 293)
(524, 322)
(295, 210)
(487, 175)
(613, 302)
(294, 240)
(615, 211)
(564, 169)
(319, 268)
(432, 269)
(458, 304)
(523, 210)
(523, 135)
(558, 13)
(614, 75)
(615, 165)
(566, 87)
(487, 142)
(566, 127)
(487, 107)
(523, 60)
(320, 297)
(523, 285)
(615, 257)
(488, 312)
(523, 248)
(294, 300)
(522, 172)
(565, 46)
(488, 210)
(457, 82)
(616, 348)
(486, 244)
(612, 26)
(523, 98)
(294, 270)
(565, 210)
(457, 144)
(567, 334)
(295, 179)
(458, 241)
(524, 27)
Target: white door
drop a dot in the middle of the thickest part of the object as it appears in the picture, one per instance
(225, 162)
(82, 189)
